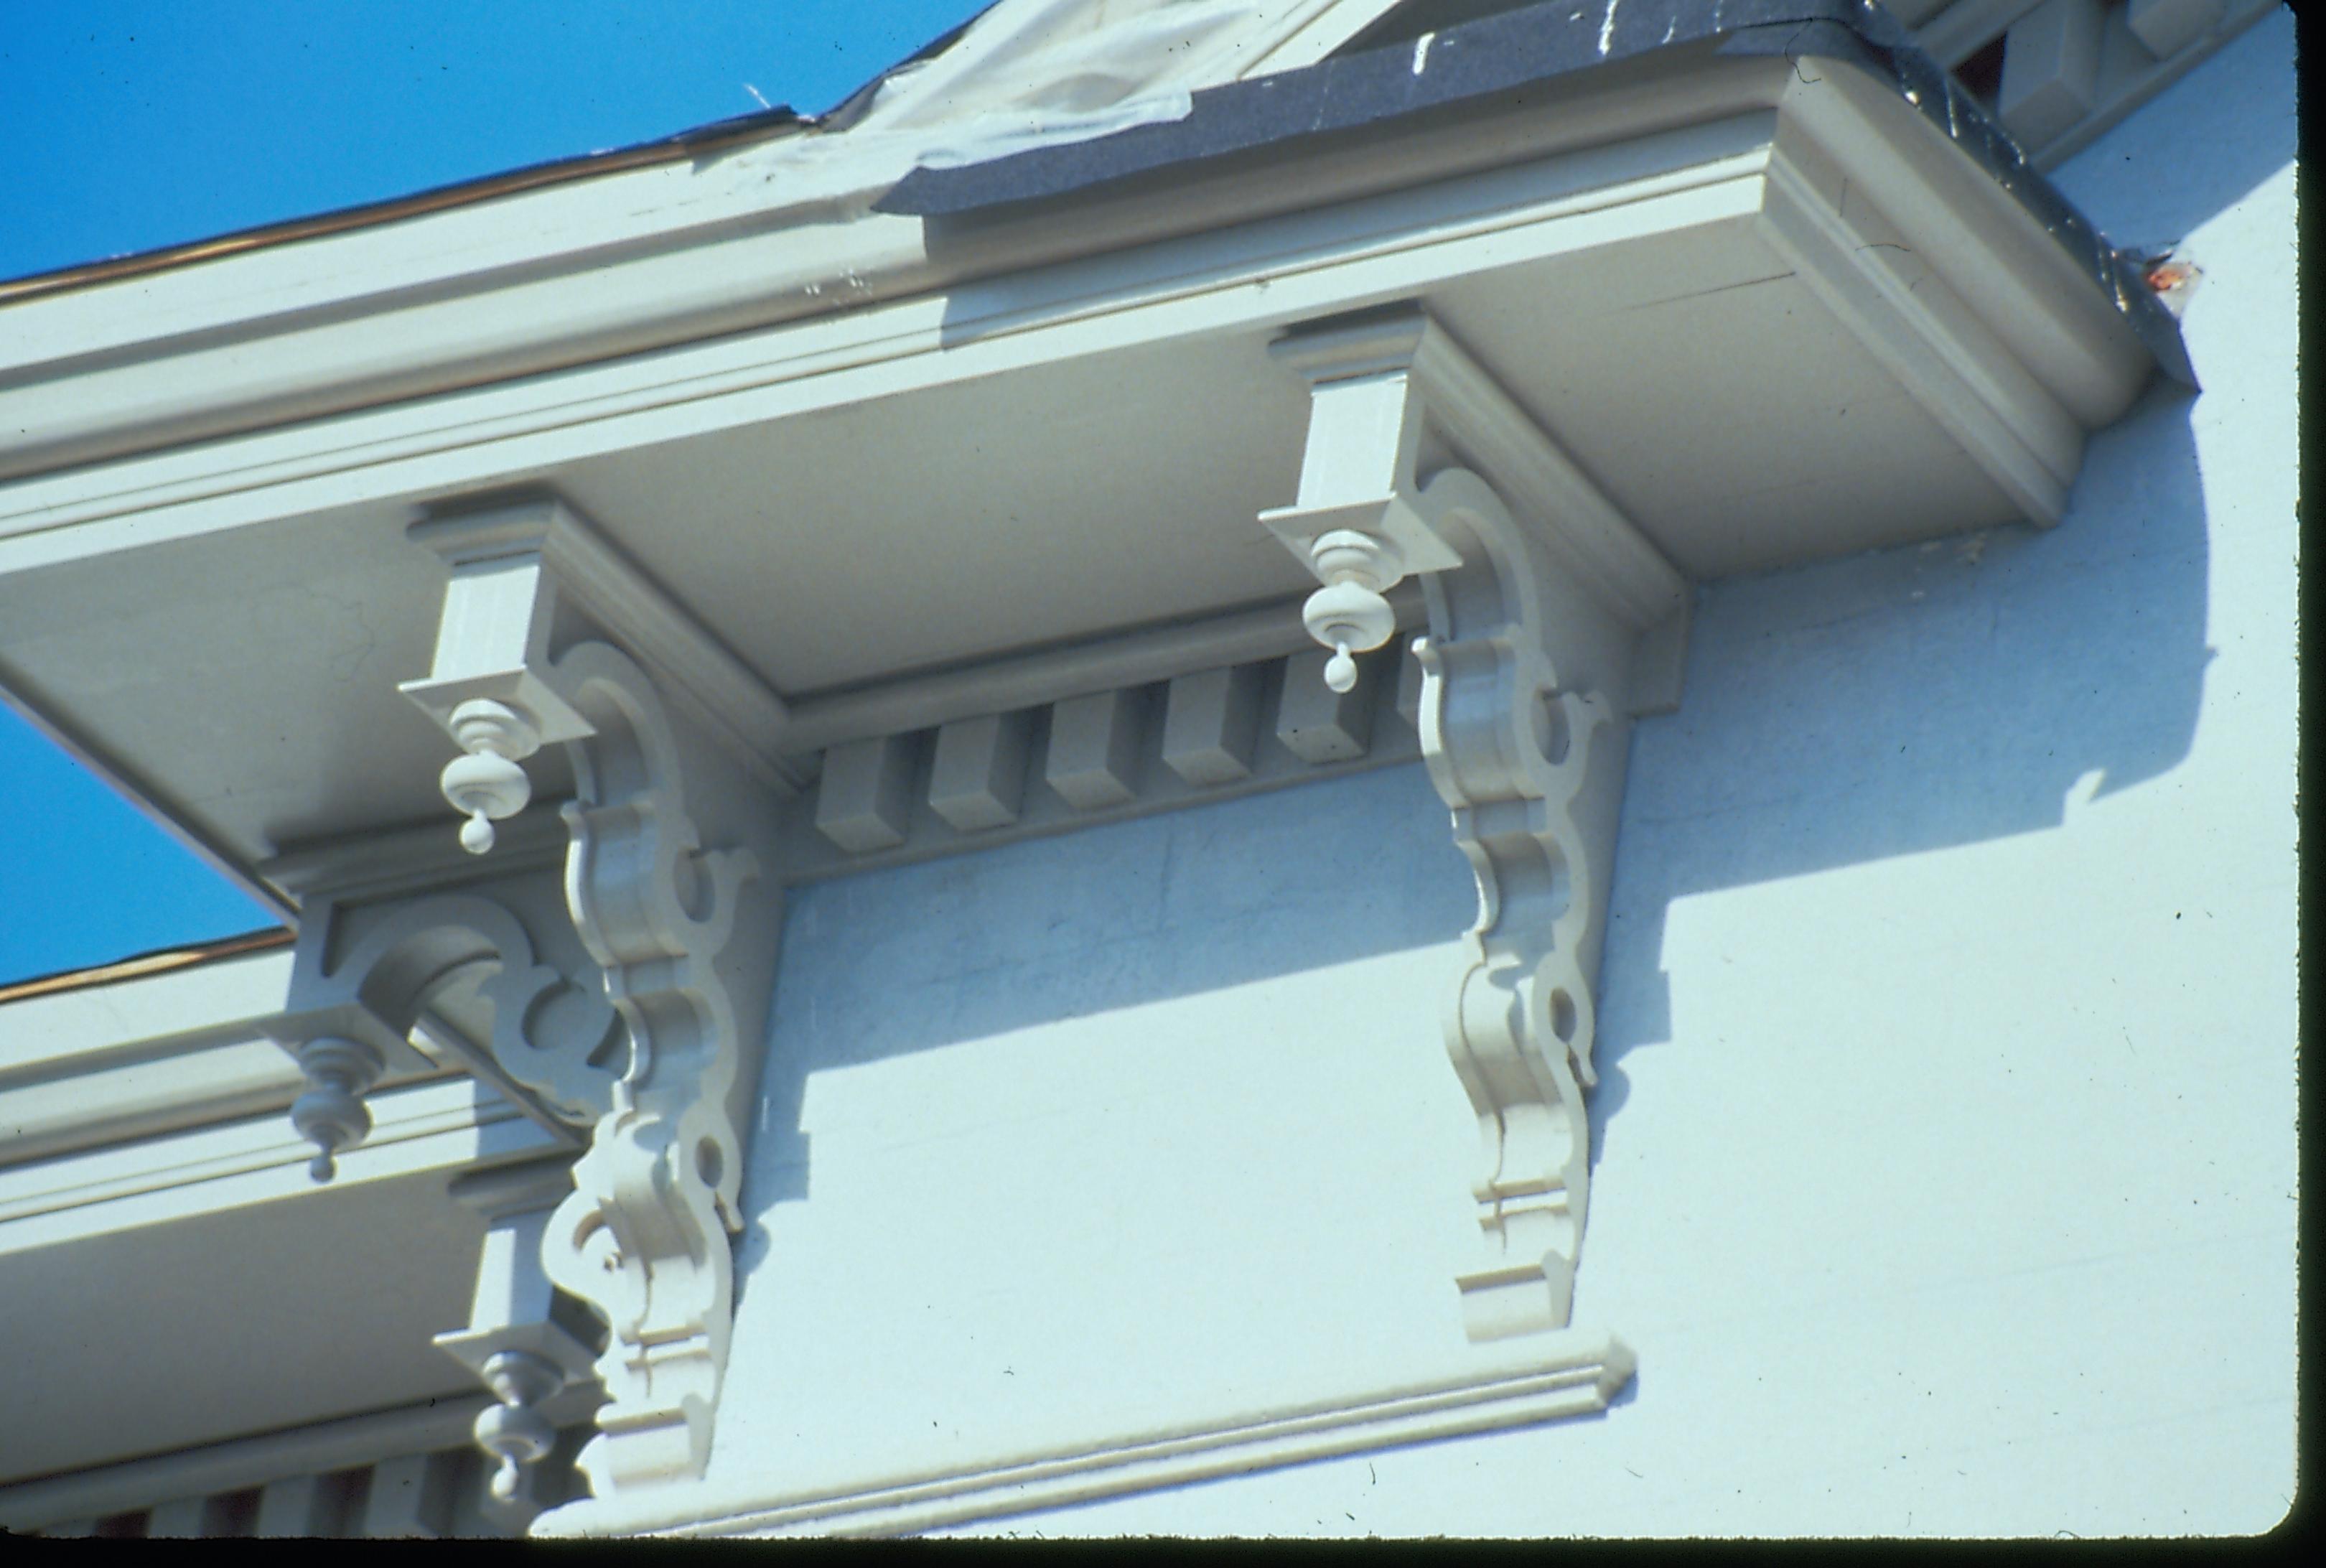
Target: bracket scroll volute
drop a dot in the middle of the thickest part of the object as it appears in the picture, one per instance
(1541, 598)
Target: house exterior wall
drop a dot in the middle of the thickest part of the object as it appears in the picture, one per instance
(1944, 1157)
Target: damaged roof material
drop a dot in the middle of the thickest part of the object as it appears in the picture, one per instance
(1542, 44)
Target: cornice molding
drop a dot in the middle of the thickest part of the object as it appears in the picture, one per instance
(445, 1124)
(1212, 733)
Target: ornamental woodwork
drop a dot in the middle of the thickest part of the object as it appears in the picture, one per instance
(547, 640)
(1526, 675)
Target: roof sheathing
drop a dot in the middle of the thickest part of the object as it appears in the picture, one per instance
(1537, 45)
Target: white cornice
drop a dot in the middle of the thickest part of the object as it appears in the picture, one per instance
(821, 261)
(1158, 280)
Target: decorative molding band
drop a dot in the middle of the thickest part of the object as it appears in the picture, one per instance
(1569, 1375)
(1208, 735)
(1533, 645)
(420, 1125)
(378, 1438)
(1029, 680)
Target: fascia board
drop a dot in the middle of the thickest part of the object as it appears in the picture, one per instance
(1257, 276)
(657, 265)
(42, 1036)
(139, 1058)
(109, 1101)
(410, 325)
(562, 229)
(1533, 50)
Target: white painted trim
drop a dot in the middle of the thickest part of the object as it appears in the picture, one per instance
(1001, 686)
(678, 650)
(1262, 274)
(448, 1125)
(2013, 429)
(1554, 1377)
(809, 849)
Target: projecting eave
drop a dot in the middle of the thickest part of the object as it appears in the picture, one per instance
(913, 438)
(1382, 89)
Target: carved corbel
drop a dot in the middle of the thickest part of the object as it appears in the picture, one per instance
(670, 745)
(366, 970)
(1538, 621)
(520, 1341)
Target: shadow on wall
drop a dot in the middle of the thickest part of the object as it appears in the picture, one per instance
(1913, 699)
(918, 956)
(1929, 697)
(1916, 699)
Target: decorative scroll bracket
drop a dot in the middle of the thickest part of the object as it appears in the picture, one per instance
(672, 745)
(1539, 633)
(367, 969)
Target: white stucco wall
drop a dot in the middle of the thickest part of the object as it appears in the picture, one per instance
(1945, 1158)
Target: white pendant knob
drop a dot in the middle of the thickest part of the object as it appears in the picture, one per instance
(486, 784)
(1349, 613)
(484, 788)
(331, 1114)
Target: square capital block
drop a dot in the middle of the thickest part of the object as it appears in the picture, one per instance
(1094, 759)
(1317, 723)
(1211, 722)
(865, 800)
(977, 779)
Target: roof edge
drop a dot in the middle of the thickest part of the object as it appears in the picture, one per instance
(1536, 45)
(700, 141)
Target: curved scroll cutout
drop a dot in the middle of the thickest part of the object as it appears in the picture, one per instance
(644, 1236)
(1524, 761)
(552, 1032)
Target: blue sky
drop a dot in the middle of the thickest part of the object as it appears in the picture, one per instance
(125, 126)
